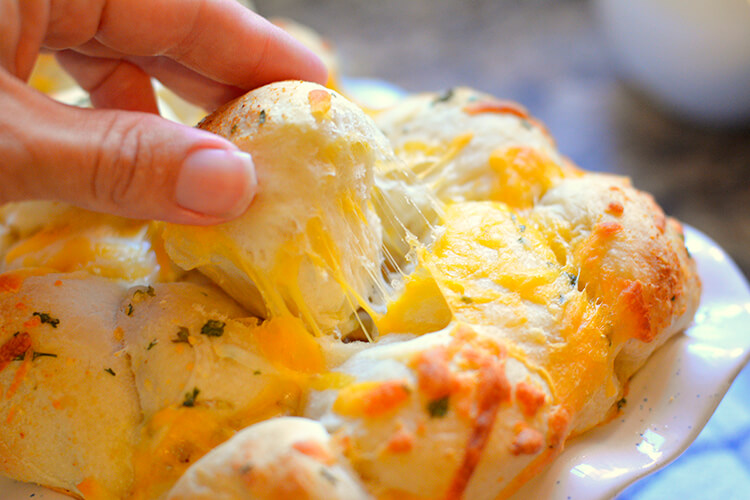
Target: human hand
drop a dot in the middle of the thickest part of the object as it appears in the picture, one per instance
(125, 159)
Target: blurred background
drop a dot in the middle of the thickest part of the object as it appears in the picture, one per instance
(667, 105)
(551, 56)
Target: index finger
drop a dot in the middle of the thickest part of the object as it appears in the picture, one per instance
(220, 39)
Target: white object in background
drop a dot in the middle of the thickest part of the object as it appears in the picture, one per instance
(693, 56)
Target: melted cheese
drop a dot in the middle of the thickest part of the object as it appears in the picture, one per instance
(495, 268)
(522, 176)
(288, 345)
(418, 309)
(103, 245)
(177, 436)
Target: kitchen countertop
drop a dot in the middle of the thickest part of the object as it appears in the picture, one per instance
(551, 57)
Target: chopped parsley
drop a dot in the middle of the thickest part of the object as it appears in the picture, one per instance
(262, 117)
(573, 278)
(182, 335)
(152, 344)
(46, 318)
(327, 475)
(466, 299)
(129, 310)
(110, 371)
(213, 328)
(444, 97)
(234, 129)
(189, 400)
(439, 407)
(622, 402)
(42, 355)
(256, 372)
(141, 293)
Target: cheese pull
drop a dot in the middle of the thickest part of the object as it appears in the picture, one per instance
(461, 145)
(310, 244)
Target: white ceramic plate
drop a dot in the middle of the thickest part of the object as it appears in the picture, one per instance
(669, 402)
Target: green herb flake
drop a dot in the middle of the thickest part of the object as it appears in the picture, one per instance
(129, 310)
(213, 328)
(42, 355)
(234, 129)
(328, 476)
(622, 402)
(466, 300)
(573, 278)
(182, 335)
(439, 407)
(46, 318)
(256, 372)
(190, 397)
(110, 371)
(152, 344)
(526, 124)
(444, 97)
(262, 117)
(141, 294)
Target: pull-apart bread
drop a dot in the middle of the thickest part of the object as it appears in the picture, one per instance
(423, 302)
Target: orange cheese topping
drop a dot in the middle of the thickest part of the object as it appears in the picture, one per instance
(371, 399)
(21, 373)
(402, 441)
(16, 346)
(91, 489)
(523, 175)
(434, 376)
(10, 282)
(315, 451)
(496, 106)
(320, 102)
(493, 389)
(286, 342)
(527, 440)
(530, 398)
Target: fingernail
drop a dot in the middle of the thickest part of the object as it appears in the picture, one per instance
(216, 182)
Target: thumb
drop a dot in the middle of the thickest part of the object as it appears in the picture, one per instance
(126, 163)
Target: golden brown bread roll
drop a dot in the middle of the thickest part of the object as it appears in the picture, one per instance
(310, 242)
(524, 294)
(69, 406)
(280, 458)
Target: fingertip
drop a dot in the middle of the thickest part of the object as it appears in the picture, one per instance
(318, 71)
(216, 184)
